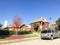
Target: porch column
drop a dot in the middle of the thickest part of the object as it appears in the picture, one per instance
(39, 26)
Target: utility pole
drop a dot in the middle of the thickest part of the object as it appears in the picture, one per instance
(50, 22)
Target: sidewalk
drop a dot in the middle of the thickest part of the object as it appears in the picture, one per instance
(17, 40)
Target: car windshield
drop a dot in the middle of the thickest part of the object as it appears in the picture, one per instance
(46, 31)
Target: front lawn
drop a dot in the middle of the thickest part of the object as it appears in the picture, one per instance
(34, 34)
(20, 34)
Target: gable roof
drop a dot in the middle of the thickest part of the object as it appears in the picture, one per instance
(40, 19)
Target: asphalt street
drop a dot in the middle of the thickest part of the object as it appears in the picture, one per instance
(37, 42)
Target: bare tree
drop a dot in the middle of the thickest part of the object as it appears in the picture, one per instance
(17, 21)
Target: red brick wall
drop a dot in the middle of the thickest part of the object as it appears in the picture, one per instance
(25, 28)
(32, 27)
(45, 26)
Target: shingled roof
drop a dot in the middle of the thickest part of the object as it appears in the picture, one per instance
(40, 19)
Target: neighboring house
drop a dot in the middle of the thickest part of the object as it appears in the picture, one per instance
(23, 27)
(10, 27)
(53, 26)
(42, 24)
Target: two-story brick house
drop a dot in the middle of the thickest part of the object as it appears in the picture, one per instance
(42, 24)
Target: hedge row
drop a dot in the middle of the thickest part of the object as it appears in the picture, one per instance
(24, 32)
(6, 33)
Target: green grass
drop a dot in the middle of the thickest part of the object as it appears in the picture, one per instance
(34, 34)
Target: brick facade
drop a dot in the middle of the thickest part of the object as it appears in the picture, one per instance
(25, 28)
(42, 24)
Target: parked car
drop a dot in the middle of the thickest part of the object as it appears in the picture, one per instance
(49, 34)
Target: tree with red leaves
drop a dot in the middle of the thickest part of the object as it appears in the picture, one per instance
(17, 22)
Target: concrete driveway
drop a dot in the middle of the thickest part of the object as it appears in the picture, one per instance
(37, 42)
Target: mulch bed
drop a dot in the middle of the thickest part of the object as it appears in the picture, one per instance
(15, 37)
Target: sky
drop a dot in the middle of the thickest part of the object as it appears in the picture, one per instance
(29, 10)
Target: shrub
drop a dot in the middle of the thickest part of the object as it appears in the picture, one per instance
(39, 30)
(35, 27)
(11, 32)
(4, 33)
(24, 32)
